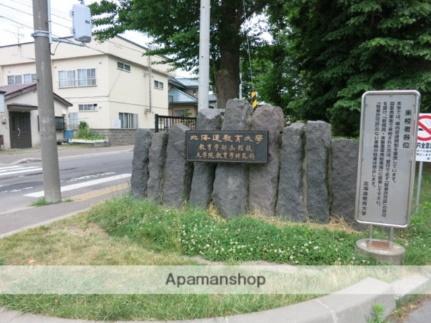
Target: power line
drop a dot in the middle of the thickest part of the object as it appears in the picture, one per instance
(55, 14)
(17, 22)
(248, 49)
(31, 15)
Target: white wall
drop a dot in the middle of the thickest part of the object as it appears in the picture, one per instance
(29, 98)
(116, 91)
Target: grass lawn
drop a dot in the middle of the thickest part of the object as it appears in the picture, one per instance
(125, 231)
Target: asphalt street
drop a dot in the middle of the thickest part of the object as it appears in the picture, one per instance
(21, 184)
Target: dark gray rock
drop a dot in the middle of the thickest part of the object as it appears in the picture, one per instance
(177, 172)
(317, 145)
(140, 162)
(156, 166)
(263, 179)
(291, 202)
(203, 173)
(343, 178)
(231, 181)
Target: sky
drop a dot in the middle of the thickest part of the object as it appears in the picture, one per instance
(16, 22)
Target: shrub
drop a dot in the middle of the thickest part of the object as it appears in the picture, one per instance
(84, 132)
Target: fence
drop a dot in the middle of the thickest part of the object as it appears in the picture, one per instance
(163, 123)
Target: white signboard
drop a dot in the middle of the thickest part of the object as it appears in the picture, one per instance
(387, 153)
(423, 149)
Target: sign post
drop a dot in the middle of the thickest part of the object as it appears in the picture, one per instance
(386, 167)
(423, 149)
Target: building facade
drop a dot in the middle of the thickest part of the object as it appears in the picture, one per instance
(19, 116)
(111, 85)
(183, 97)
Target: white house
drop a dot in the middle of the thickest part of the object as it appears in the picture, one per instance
(19, 117)
(111, 85)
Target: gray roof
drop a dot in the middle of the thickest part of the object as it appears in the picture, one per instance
(188, 82)
(12, 91)
(182, 97)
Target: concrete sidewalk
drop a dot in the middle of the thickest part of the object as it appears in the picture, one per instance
(14, 156)
(15, 221)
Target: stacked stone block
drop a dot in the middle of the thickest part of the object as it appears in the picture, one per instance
(309, 176)
(230, 193)
(141, 158)
(203, 173)
(177, 172)
(264, 178)
(291, 195)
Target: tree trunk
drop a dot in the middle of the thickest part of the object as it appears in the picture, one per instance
(229, 42)
(227, 79)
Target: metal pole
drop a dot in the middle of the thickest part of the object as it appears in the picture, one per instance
(48, 140)
(150, 80)
(204, 54)
(419, 188)
(370, 238)
(391, 236)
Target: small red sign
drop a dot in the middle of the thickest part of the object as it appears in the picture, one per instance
(424, 128)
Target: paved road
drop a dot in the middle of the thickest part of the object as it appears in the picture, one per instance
(420, 315)
(81, 171)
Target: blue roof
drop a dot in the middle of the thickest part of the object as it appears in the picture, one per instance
(178, 96)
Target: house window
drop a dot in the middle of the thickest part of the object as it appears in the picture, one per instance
(87, 107)
(182, 113)
(29, 78)
(83, 77)
(123, 66)
(19, 79)
(66, 79)
(73, 120)
(60, 124)
(128, 120)
(158, 85)
(86, 77)
(14, 79)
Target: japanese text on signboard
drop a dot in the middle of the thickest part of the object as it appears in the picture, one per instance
(227, 146)
(423, 147)
(388, 133)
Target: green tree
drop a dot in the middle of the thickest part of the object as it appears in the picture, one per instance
(175, 26)
(338, 49)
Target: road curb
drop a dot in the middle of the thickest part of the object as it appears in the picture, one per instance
(21, 161)
(339, 307)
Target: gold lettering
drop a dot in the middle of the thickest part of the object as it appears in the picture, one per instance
(205, 137)
(248, 139)
(201, 147)
(238, 138)
(248, 148)
(258, 138)
(227, 138)
(216, 137)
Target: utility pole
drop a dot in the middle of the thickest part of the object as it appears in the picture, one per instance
(45, 96)
(204, 54)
